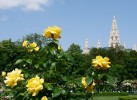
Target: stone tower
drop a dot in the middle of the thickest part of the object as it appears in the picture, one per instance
(99, 45)
(114, 35)
(86, 48)
(124, 45)
(134, 47)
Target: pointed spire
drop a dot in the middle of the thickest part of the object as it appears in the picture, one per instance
(114, 35)
(86, 43)
(99, 45)
(134, 47)
(86, 48)
(124, 45)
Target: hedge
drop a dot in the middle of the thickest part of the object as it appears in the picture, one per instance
(112, 94)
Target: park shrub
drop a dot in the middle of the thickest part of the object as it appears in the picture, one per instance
(51, 75)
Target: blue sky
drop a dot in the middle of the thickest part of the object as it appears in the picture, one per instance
(79, 19)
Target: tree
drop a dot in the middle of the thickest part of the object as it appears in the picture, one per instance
(37, 38)
(130, 69)
(74, 49)
(79, 67)
(101, 51)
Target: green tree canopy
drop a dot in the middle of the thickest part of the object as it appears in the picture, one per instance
(37, 38)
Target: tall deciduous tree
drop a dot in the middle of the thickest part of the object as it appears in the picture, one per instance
(74, 49)
(37, 38)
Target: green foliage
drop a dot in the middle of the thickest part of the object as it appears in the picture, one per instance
(112, 94)
(74, 49)
(10, 52)
(79, 67)
(54, 66)
(62, 72)
(37, 38)
(130, 69)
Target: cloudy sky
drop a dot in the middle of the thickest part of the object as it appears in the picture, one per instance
(79, 19)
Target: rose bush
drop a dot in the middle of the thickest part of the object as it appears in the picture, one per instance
(46, 74)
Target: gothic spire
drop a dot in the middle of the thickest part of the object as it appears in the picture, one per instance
(86, 43)
(86, 48)
(124, 45)
(134, 47)
(99, 45)
(114, 35)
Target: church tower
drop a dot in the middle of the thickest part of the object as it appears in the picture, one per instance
(99, 45)
(124, 45)
(86, 48)
(134, 47)
(114, 35)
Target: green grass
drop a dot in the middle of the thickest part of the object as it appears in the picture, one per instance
(111, 97)
(106, 98)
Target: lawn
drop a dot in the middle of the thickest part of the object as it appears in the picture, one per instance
(106, 98)
(112, 97)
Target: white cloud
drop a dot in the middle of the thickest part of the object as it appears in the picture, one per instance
(24, 4)
(3, 18)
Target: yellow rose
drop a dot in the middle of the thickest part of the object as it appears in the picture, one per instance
(30, 50)
(36, 49)
(101, 63)
(25, 43)
(44, 98)
(13, 77)
(33, 45)
(34, 85)
(52, 32)
(84, 82)
(3, 74)
(97, 62)
(90, 88)
(59, 47)
(105, 63)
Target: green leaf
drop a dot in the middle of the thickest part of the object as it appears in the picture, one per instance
(78, 81)
(110, 79)
(48, 86)
(56, 92)
(36, 66)
(51, 72)
(100, 76)
(64, 78)
(26, 75)
(60, 55)
(53, 65)
(44, 64)
(53, 51)
(56, 42)
(18, 61)
(89, 80)
(29, 61)
(70, 58)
